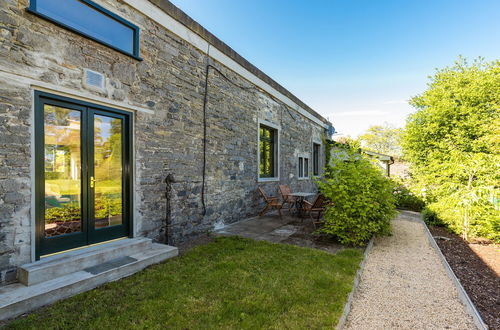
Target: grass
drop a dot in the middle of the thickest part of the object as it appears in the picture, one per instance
(229, 283)
(72, 187)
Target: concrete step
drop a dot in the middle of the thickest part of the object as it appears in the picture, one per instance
(16, 299)
(72, 261)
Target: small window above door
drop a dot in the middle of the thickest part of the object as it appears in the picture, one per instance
(92, 21)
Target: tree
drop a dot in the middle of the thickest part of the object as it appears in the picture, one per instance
(382, 138)
(452, 143)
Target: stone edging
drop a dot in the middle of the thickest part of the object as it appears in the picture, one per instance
(462, 294)
(357, 280)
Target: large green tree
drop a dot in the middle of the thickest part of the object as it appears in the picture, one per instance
(452, 143)
(382, 138)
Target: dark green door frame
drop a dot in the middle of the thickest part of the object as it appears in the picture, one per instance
(88, 234)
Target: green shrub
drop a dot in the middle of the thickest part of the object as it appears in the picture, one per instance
(63, 213)
(405, 199)
(431, 218)
(105, 206)
(361, 199)
(483, 220)
(453, 147)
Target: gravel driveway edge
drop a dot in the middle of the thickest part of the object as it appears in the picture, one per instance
(464, 297)
(357, 279)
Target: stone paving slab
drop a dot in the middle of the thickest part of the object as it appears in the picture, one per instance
(404, 285)
(287, 229)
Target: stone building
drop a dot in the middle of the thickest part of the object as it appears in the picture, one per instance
(110, 127)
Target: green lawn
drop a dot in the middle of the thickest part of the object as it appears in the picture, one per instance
(72, 187)
(229, 283)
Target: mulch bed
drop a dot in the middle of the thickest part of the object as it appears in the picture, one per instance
(477, 266)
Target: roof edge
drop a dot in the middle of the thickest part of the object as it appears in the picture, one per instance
(176, 13)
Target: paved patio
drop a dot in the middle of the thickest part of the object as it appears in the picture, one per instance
(288, 230)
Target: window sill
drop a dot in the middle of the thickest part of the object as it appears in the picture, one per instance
(303, 178)
(268, 179)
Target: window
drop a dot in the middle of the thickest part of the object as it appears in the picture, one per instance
(303, 167)
(267, 152)
(316, 151)
(92, 21)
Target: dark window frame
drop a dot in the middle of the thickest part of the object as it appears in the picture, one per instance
(136, 30)
(316, 153)
(63, 243)
(303, 167)
(272, 141)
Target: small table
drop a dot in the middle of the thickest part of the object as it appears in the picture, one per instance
(301, 196)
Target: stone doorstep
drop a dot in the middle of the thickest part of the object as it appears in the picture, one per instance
(72, 261)
(16, 299)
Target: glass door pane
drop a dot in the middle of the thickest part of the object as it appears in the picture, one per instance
(62, 171)
(107, 181)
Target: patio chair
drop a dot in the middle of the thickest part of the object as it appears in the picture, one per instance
(317, 206)
(285, 192)
(271, 203)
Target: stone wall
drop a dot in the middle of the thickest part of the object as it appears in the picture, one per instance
(168, 140)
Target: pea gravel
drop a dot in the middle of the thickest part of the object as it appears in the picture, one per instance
(405, 286)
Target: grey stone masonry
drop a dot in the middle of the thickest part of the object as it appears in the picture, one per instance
(167, 89)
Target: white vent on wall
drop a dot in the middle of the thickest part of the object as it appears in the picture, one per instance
(94, 79)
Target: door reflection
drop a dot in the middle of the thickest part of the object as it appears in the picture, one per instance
(108, 170)
(62, 164)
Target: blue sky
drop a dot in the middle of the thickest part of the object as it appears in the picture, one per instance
(355, 62)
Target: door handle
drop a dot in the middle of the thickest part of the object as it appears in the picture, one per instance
(92, 182)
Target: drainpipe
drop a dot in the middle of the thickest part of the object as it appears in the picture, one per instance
(168, 217)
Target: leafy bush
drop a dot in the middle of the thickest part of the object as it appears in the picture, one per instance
(104, 207)
(482, 219)
(431, 218)
(452, 142)
(64, 213)
(361, 199)
(405, 199)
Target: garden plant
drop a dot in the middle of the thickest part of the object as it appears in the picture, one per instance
(452, 143)
(361, 201)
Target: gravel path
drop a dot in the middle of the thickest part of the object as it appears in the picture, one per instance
(405, 286)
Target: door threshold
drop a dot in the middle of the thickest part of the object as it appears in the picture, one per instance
(82, 247)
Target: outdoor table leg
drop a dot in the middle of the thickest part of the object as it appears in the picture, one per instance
(300, 207)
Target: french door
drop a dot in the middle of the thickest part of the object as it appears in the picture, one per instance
(83, 173)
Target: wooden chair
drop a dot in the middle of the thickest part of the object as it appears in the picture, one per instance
(318, 206)
(285, 192)
(271, 203)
